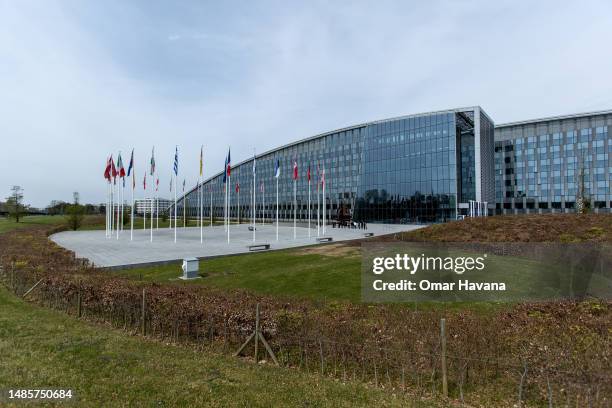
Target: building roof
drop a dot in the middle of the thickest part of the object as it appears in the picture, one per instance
(551, 118)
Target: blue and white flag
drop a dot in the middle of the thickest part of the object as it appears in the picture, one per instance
(254, 165)
(277, 170)
(176, 161)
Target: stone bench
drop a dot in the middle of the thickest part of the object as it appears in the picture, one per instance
(259, 247)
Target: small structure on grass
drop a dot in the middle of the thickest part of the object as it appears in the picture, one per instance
(191, 267)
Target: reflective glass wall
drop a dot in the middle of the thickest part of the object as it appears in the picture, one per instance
(541, 167)
(409, 170)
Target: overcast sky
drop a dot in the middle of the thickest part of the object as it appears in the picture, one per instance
(82, 79)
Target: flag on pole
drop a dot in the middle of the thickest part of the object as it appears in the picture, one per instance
(277, 170)
(170, 184)
(176, 161)
(229, 164)
(183, 185)
(131, 165)
(113, 170)
(121, 171)
(144, 182)
(308, 173)
(261, 187)
(201, 159)
(225, 171)
(157, 184)
(237, 187)
(254, 164)
(153, 161)
(295, 170)
(107, 169)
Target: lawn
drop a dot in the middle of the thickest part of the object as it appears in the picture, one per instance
(323, 272)
(44, 348)
(333, 273)
(8, 224)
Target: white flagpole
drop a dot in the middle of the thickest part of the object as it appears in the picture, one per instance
(122, 201)
(318, 201)
(309, 203)
(132, 211)
(106, 209)
(152, 210)
(144, 212)
(211, 208)
(294, 208)
(263, 210)
(112, 212)
(156, 210)
(324, 203)
(175, 220)
(277, 208)
(229, 199)
(238, 204)
(253, 206)
(201, 212)
(170, 210)
(118, 198)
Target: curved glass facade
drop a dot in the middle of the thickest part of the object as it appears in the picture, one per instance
(416, 168)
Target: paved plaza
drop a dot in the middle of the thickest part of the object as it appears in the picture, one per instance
(111, 252)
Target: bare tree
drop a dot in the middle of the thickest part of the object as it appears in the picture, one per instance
(14, 203)
(582, 200)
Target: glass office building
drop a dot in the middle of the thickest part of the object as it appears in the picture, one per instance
(542, 165)
(416, 168)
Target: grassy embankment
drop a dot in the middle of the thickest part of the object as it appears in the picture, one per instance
(45, 348)
(333, 272)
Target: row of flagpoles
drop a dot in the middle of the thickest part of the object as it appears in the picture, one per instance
(115, 197)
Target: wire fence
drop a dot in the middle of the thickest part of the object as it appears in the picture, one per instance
(430, 370)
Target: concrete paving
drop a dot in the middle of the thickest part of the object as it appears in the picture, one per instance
(113, 252)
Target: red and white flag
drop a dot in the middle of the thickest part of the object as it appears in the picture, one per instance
(107, 169)
(295, 170)
(144, 181)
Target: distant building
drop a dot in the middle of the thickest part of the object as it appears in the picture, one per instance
(142, 205)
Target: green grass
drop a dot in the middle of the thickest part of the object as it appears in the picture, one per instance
(9, 224)
(283, 273)
(336, 276)
(45, 348)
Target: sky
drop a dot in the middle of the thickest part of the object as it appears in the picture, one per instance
(80, 79)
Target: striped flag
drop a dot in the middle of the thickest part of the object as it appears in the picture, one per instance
(295, 170)
(277, 170)
(237, 187)
(121, 171)
(107, 169)
(176, 161)
(229, 163)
